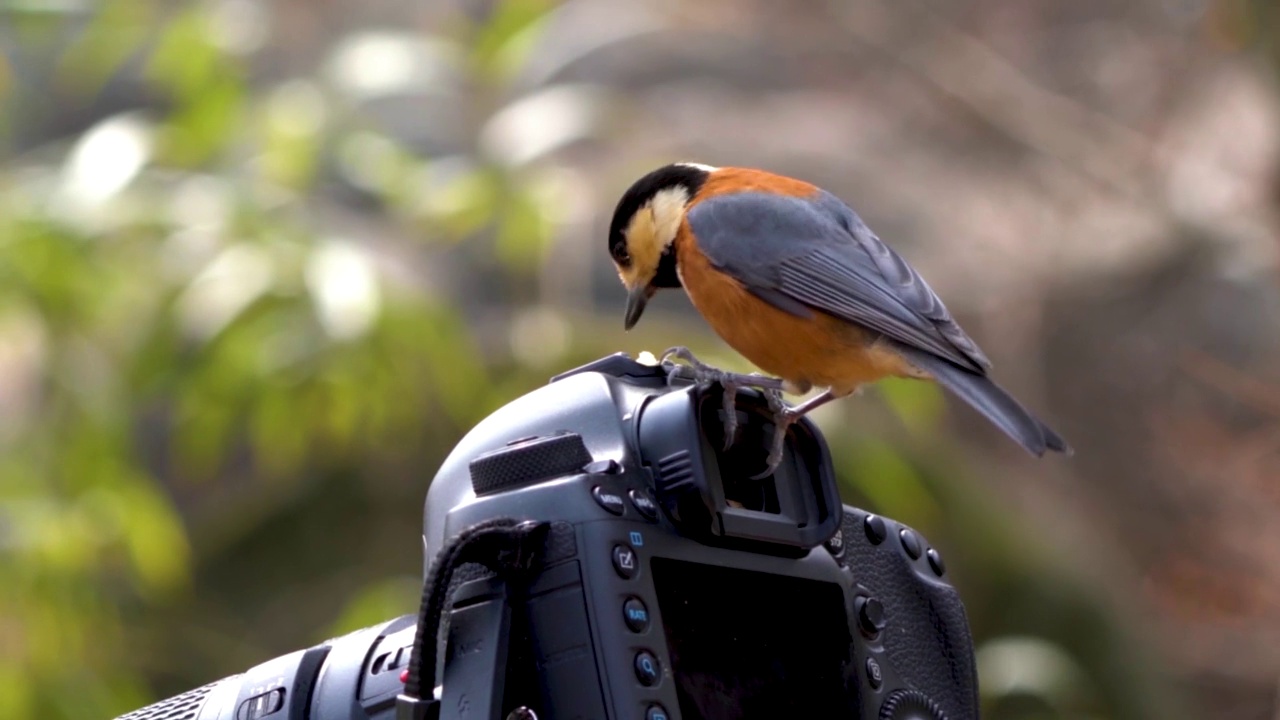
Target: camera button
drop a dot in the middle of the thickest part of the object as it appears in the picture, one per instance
(874, 675)
(935, 562)
(873, 526)
(870, 615)
(648, 671)
(644, 504)
(625, 561)
(910, 542)
(608, 500)
(635, 614)
(602, 467)
(656, 712)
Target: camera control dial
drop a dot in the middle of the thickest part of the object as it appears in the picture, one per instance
(910, 705)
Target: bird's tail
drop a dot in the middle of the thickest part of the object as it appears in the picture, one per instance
(991, 400)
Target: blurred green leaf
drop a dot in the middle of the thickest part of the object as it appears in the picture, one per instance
(293, 121)
(510, 18)
(377, 164)
(919, 405)
(523, 232)
(156, 541)
(894, 486)
(185, 61)
(379, 602)
(117, 31)
(17, 694)
(456, 202)
(204, 82)
(203, 125)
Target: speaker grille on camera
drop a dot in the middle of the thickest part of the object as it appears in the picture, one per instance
(178, 707)
(528, 460)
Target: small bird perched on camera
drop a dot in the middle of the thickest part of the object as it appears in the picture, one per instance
(790, 277)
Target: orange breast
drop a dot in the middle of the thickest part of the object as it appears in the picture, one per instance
(823, 351)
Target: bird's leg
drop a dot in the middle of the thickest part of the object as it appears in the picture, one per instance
(729, 405)
(730, 382)
(783, 417)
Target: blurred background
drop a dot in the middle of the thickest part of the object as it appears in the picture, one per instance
(263, 263)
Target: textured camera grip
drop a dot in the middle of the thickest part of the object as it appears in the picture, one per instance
(926, 636)
(528, 460)
(178, 707)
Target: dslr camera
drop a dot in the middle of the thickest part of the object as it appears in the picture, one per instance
(596, 550)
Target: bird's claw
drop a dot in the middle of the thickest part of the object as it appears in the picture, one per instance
(730, 382)
(729, 405)
(699, 368)
(700, 372)
(783, 417)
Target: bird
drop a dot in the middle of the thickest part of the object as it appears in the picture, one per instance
(789, 276)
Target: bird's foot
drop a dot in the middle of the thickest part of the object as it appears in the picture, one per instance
(730, 382)
(700, 372)
(783, 417)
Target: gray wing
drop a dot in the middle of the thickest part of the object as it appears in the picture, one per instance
(797, 253)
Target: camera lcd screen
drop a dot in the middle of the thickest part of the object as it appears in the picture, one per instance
(747, 645)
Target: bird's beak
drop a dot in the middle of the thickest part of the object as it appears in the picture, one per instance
(637, 298)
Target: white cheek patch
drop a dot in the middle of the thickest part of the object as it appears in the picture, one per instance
(667, 207)
(653, 230)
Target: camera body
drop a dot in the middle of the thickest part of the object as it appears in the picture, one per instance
(671, 586)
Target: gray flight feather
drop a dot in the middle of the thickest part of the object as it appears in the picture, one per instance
(798, 253)
(991, 400)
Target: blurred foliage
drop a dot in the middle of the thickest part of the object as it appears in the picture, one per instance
(218, 415)
(174, 318)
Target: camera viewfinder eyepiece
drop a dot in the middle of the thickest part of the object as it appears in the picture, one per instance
(708, 490)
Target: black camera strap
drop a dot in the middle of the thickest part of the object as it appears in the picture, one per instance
(511, 549)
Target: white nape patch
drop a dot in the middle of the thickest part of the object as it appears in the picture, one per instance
(699, 166)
